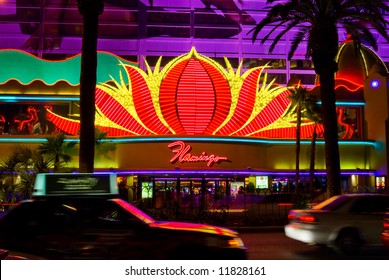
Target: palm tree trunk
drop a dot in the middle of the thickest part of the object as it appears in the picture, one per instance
(298, 138)
(312, 162)
(327, 95)
(90, 11)
(325, 48)
(56, 163)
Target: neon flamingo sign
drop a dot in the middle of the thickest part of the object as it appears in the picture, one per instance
(182, 154)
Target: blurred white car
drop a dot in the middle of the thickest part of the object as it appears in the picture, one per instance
(344, 222)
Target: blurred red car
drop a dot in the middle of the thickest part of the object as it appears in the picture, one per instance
(7, 255)
(385, 233)
(79, 216)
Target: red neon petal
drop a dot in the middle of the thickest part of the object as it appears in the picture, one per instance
(290, 132)
(114, 131)
(73, 127)
(271, 113)
(65, 125)
(222, 95)
(144, 104)
(168, 97)
(245, 104)
(195, 98)
(114, 111)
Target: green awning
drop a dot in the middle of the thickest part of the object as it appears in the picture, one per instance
(26, 68)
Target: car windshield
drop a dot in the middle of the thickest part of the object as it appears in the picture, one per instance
(332, 203)
(134, 211)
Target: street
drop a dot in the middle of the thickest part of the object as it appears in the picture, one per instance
(274, 245)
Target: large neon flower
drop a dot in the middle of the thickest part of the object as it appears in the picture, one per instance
(191, 95)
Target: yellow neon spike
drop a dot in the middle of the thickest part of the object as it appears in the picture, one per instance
(102, 120)
(154, 80)
(285, 121)
(123, 95)
(235, 80)
(263, 97)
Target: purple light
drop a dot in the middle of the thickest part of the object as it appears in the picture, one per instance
(225, 173)
(374, 83)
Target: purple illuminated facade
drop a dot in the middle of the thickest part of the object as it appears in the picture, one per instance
(135, 31)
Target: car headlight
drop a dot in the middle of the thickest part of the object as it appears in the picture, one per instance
(235, 242)
(231, 242)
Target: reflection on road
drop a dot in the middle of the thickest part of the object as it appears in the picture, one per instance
(274, 245)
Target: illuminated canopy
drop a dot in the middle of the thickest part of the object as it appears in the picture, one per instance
(191, 95)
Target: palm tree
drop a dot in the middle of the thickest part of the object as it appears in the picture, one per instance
(102, 147)
(57, 150)
(18, 171)
(314, 114)
(90, 11)
(318, 21)
(302, 104)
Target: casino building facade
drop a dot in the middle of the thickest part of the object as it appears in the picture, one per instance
(185, 109)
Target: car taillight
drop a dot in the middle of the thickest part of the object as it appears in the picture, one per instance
(291, 217)
(307, 219)
(386, 222)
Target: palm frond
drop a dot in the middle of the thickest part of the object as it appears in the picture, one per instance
(56, 150)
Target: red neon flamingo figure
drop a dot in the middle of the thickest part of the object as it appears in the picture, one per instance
(347, 123)
(32, 119)
(2, 124)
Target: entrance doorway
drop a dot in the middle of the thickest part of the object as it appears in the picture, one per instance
(185, 192)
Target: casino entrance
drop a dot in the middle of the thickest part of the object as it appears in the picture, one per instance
(198, 192)
(185, 192)
(219, 198)
(207, 192)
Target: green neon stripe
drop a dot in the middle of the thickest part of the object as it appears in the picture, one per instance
(26, 68)
(197, 139)
(348, 103)
(15, 98)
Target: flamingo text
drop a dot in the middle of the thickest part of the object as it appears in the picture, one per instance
(182, 154)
